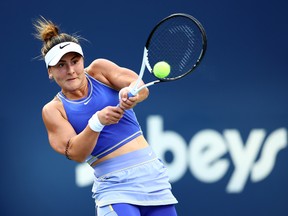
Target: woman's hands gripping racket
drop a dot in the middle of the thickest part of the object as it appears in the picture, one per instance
(178, 44)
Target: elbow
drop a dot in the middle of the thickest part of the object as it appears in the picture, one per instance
(79, 158)
(70, 150)
(79, 161)
(75, 156)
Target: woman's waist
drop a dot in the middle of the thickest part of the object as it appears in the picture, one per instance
(124, 161)
(138, 143)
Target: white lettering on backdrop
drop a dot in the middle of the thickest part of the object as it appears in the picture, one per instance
(206, 154)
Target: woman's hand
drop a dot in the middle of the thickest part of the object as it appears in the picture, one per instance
(126, 102)
(110, 115)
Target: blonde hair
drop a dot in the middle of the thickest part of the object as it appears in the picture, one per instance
(49, 33)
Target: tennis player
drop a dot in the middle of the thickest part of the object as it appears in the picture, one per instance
(91, 119)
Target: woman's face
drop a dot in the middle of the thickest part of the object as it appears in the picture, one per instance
(68, 73)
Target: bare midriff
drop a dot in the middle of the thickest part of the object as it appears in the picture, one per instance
(135, 144)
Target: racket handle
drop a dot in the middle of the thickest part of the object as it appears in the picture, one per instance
(130, 94)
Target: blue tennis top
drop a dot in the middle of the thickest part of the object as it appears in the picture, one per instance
(112, 136)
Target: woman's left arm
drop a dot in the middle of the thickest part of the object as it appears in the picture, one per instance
(118, 78)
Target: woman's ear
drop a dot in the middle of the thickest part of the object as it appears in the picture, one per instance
(50, 74)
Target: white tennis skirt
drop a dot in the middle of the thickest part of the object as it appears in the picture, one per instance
(138, 178)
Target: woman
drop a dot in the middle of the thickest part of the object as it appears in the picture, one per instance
(91, 119)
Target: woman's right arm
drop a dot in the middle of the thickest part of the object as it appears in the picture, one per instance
(60, 131)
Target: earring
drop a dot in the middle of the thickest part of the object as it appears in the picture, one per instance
(50, 76)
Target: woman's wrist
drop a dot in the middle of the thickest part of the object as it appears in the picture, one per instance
(95, 124)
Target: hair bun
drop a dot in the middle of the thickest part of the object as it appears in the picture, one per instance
(49, 32)
(45, 29)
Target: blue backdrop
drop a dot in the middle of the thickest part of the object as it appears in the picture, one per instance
(222, 131)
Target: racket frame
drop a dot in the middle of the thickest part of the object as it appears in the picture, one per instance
(145, 62)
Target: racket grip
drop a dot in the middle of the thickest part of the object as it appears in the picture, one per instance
(130, 94)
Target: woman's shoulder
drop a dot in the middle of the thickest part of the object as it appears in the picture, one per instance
(52, 107)
(100, 64)
(100, 70)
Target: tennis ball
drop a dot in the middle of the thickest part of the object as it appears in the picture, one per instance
(161, 69)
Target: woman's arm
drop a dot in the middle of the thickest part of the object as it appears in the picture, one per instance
(60, 131)
(118, 78)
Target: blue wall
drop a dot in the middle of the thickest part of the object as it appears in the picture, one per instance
(221, 131)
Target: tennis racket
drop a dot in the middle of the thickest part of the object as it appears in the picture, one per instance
(180, 40)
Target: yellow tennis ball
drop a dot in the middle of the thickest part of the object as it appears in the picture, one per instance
(161, 69)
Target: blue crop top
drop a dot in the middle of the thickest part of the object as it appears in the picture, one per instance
(112, 136)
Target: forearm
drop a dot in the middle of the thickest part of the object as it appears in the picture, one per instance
(80, 146)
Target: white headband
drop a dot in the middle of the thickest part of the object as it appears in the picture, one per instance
(54, 55)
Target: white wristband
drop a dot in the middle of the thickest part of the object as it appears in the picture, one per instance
(95, 124)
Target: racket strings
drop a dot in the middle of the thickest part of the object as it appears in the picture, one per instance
(178, 41)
